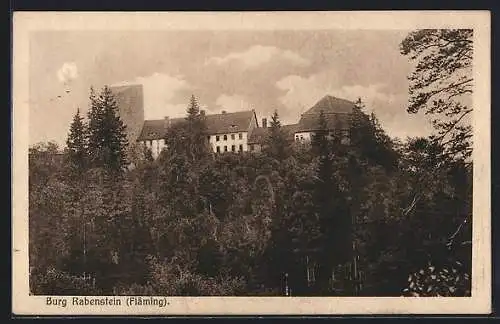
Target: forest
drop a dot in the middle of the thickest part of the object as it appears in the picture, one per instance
(376, 216)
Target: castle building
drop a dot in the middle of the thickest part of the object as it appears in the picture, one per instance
(231, 131)
(337, 113)
(226, 132)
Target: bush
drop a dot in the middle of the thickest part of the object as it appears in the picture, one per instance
(447, 281)
(55, 282)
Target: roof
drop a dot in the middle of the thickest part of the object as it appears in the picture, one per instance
(229, 122)
(308, 123)
(156, 129)
(216, 124)
(258, 135)
(330, 104)
(336, 111)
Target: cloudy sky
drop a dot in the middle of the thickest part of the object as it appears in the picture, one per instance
(233, 70)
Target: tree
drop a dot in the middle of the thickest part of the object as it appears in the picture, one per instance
(320, 137)
(331, 207)
(44, 164)
(441, 83)
(441, 86)
(197, 143)
(95, 116)
(277, 143)
(77, 145)
(369, 140)
(107, 138)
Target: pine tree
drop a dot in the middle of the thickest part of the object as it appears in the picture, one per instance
(107, 138)
(196, 127)
(77, 145)
(441, 84)
(95, 117)
(320, 138)
(277, 144)
(331, 207)
(369, 139)
(193, 109)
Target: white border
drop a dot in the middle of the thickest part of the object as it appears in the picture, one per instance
(479, 303)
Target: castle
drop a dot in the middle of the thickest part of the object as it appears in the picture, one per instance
(229, 131)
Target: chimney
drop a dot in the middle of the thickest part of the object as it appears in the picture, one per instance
(264, 122)
(224, 111)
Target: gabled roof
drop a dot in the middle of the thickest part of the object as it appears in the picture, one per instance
(229, 122)
(216, 124)
(330, 105)
(337, 113)
(259, 135)
(309, 122)
(156, 129)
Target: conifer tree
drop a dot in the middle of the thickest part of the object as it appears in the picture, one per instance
(320, 138)
(369, 139)
(277, 144)
(331, 207)
(94, 127)
(107, 138)
(196, 128)
(441, 84)
(193, 109)
(77, 145)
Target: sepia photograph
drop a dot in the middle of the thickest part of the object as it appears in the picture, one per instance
(273, 157)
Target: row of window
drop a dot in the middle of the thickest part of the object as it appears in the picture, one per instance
(344, 133)
(233, 148)
(233, 136)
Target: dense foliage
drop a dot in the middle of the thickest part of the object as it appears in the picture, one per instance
(367, 216)
(331, 216)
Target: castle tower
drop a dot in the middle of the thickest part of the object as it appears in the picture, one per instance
(130, 100)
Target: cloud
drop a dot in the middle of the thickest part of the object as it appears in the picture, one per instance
(160, 92)
(233, 103)
(301, 93)
(67, 72)
(257, 55)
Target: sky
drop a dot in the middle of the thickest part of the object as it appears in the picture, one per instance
(287, 71)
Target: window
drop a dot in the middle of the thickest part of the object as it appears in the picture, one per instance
(208, 138)
(233, 148)
(252, 147)
(218, 149)
(217, 138)
(240, 135)
(241, 147)
(232, 136)
(225, 137)
(225, 148)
